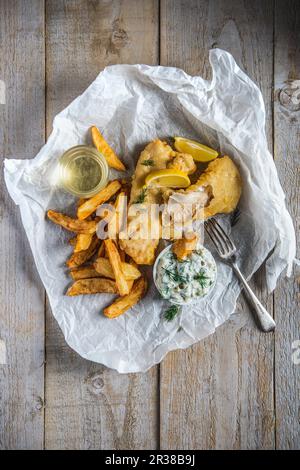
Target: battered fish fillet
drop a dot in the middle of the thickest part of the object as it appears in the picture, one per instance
(217, 191)
(222, 179)
(139, 246)
(157, 155)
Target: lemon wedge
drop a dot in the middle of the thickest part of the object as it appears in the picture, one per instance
(199, 152)
(168, 178)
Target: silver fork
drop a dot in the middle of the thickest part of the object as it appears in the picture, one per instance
(227, 251)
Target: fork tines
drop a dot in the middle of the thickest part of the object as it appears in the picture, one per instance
(224, 245)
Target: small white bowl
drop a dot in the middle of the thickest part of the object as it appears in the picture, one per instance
(161, 254)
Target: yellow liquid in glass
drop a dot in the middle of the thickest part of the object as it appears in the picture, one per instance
(83, 174)
(84, 171)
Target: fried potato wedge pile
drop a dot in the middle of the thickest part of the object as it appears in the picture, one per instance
(101, 266)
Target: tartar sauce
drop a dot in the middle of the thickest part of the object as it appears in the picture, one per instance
(184, 281)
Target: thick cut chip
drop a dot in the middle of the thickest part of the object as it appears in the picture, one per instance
(104, 268)
(108, 153)
(74, 225)
(83, 241)
(124, 303)
(101, 250)
(92, 286)
(90, 205)
(73, 241)
(84, 272)
(118, 218)
(77, 259)
(116, 265)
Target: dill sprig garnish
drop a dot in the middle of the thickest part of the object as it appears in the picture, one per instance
(171, 312)
(175, 276)
(141, 197)
(148, 162)
(202, 279)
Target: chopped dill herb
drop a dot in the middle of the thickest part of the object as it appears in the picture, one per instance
(171, 312)
(141, 197)
(175, 276)
(202, 279)
(148, 162)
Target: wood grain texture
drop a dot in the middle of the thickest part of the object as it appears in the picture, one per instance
(287, 144)
(219, 393)
(87, 405)
(22, 294)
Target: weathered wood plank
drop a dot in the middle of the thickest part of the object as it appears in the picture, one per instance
(22, 294)
(219, 393)
(287, 144)
(87, 405)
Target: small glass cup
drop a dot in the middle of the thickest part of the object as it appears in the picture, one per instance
(83, 171)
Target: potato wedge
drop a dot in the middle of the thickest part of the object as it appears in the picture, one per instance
(130, 285)
(185, 246)
(103, 147)
(83, 241)
(116, 222)
(122, 304)
(74, 225)
(84, 272)
(92, 286)
(90, 205)
(77, 259)
(116, 265)
(73, 241)
(80, 201)
(104, 268)
(101, 250)
(122, 255)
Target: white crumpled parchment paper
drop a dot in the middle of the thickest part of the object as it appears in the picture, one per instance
(133, 104)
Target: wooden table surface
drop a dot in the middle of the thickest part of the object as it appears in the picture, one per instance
(239, 388)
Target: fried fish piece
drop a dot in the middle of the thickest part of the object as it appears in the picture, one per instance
(217, 190)
(223, 180)
(185, 246)
(137, 241)
(183, 162)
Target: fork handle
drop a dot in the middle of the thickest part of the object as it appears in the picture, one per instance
(266, 321)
